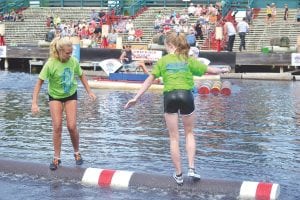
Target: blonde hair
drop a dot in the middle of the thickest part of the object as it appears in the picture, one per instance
(179, 41)
(58, 44)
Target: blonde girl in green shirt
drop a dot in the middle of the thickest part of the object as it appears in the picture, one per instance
(177, 70)
(61, 70)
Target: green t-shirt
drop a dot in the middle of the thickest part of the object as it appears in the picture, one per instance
(61, 76)
(177, 73)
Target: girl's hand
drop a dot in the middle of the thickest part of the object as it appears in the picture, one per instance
(92, 96)
(35, 109)
(130, 103)
(225, 69)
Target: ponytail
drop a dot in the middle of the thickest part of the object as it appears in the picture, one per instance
(57, 44)
(179, 41)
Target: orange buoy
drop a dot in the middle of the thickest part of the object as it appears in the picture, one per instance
(204, 87)
(216, 87)
(226, 88)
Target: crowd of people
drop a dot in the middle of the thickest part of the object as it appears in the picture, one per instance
(12, 16)
(92, 29)
(207, 16)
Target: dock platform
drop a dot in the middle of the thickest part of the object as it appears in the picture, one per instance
(240, 62)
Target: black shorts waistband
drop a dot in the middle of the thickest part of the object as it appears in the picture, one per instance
(72, 97)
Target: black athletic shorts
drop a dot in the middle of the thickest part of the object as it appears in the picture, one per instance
(181, 101)
(72, 97)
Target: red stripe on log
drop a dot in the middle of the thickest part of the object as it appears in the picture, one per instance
(105, 178)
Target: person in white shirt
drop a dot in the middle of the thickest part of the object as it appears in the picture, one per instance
(191, 9)
(129, 25)
(242, 28)
(229, 31)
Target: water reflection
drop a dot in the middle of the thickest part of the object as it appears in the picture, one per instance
(253, 134)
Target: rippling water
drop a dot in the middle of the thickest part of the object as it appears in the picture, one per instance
(253, 134)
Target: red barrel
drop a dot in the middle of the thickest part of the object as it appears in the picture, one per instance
(216, 87)
(204, 87)
(226, 88)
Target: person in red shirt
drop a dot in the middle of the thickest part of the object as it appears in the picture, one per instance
(138, 34)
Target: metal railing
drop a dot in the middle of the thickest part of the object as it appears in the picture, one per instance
(226, 7)
(134, 7)
(8, 6)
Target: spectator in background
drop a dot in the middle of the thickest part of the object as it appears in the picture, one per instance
(166, 28)
(242, 29)
(65, 32)
(50, 35)
(20, 16)
(58, 32)
(173, 14)
(274, 12)
(155, 39)
(159, 15)
(249, 15)
(91, 28)
(13, 15)
(286, 12)
(131, 34)
(298, 15)
(229, 32)
(198, 11)
(94, 16)
(158, 23)
(199, 32)
(191, 38)
(138, 34)
(84, 33)
(101, 13)
(184, 17)
(128, 63)
(269, 14)
(191, 10)
(129, 25)
(112, 38)
(162, 37)
(49, 21)
(56, 20)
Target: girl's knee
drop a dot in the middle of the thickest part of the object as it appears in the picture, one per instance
(72, 128)
(57, 129)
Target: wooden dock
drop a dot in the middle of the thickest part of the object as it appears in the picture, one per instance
(240, 62)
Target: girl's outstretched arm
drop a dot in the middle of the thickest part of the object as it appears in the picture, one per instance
(147, 83)
(217, 70)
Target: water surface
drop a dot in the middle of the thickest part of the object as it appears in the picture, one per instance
(253, 134)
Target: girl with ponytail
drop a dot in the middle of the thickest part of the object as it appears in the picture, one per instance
(177, 70)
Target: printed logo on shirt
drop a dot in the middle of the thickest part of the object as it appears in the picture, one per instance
(177, 67)
(66, 78)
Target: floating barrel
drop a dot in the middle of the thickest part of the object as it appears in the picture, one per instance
(204, 87)
(226, 88)
(125, 179)
(216, 87)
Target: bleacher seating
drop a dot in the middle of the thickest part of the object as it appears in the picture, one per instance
(260, 34)
(145, 21)
(34, 28)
